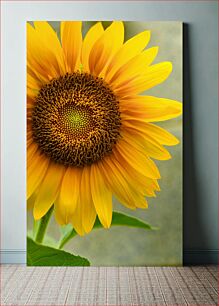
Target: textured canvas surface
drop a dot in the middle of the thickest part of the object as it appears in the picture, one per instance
(104, 143)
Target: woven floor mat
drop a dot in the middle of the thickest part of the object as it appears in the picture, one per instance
(134, 286)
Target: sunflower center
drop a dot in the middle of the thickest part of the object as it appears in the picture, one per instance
(76, 119)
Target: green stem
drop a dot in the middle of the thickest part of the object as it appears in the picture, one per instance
(43, 226)
(66, 238)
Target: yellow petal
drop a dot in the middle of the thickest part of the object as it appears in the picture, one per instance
(84, 216)
(161, 135)
(71, 37)
(32, 82)
(137, 181)
(133, 67)
(31, 150)
(130, 49)
(31, 93)
(154, 75)
(114, 175)
(58, 213)
(154, 149)
(44, 52)
(149, 109)
(29, 136)
(51, 43)
(38, 69)
(90, 39)
(86, 201)
(69, 193)
(116, 182)
(31, 201)
(76, 220)
(30, 104)
(36, 169)
(48, 190)
(106, 47)
(101, 195)
(138, 160)
(144, 142)
(35, 70)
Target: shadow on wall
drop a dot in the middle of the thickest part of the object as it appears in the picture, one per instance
(192, 224)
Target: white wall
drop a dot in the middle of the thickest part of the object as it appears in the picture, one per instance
(200, 98)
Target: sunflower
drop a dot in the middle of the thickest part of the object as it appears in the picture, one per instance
(90, 134)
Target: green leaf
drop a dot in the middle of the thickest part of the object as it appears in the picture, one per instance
(118, 219)
(41, 255)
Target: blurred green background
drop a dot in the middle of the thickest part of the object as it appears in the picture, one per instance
(124, 246)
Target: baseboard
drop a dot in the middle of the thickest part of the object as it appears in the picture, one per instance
(200, 257)
(190, 257)
(13, 256)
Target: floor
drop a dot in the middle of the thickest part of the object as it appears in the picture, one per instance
(108, 286)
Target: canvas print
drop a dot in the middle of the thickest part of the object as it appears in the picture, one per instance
(104, 143)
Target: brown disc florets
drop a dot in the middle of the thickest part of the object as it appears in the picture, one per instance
(76, 119)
